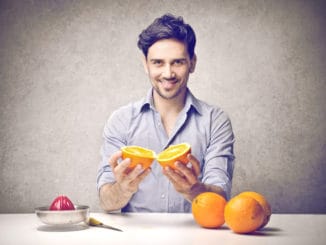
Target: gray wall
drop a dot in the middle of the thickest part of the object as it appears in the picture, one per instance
(66, 65)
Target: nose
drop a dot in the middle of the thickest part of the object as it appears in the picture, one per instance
(168, 72)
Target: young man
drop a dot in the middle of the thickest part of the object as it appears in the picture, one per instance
(168, 115)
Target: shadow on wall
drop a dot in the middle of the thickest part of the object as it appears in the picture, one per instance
(66, 66)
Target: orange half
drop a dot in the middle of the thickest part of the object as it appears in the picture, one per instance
(138, 155)
(174, 153)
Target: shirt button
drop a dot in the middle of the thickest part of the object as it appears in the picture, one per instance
(163, 196)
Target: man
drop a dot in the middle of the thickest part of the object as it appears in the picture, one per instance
(168, 115)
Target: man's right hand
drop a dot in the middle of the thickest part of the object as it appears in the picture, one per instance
(114, 196)
(127, 179)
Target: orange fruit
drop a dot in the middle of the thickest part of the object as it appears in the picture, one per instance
(174, 153)
(243, 214)
(138, 155)
(263, 202)
(208, 209)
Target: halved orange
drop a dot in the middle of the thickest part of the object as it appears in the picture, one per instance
(138, 155)
(174, 153)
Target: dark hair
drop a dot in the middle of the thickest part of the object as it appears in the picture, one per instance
(165, 27)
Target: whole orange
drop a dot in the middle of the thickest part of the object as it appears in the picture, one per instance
(263, 202)
(243, 214)
(138, 155)
(174, 153)
(208, 209)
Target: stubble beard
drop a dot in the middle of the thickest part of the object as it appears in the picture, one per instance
(164, 96)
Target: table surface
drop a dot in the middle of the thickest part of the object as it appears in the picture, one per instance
(160, 228)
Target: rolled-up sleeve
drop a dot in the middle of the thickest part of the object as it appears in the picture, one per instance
(113, 139)
(219, 158)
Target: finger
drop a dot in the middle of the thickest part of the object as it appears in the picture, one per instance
(121, 169)
(187, 172)
(134, 173)
(113, 160)
(172, 175)
(179, 172)
(142, 176)
(169, 174)
(195, 164)
(132, 183)
(167, 168)
(180, 184)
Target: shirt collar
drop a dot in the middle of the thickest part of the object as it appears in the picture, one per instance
(191, 102)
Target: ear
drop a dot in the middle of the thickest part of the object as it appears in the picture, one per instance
(193, 62)
(144, 61)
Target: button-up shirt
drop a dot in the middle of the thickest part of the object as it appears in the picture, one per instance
(205, 127)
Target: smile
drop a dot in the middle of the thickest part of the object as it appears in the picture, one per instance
(169, 84)
(172, 81)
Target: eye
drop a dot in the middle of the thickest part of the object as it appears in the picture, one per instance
(179, 62)
(157, 62)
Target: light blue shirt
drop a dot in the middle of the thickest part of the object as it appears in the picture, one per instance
(206, 128)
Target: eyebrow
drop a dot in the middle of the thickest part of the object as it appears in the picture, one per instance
(177, 59)
(155, 59)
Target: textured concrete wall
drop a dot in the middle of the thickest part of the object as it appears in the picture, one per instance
(65, 65)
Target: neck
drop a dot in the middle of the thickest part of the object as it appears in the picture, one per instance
(169, 109)
(169, 106)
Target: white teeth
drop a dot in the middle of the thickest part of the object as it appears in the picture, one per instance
(168, 81)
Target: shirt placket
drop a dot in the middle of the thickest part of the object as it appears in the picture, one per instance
(167, 199)
(162, 194)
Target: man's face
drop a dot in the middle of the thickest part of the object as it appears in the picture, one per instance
(168, 65)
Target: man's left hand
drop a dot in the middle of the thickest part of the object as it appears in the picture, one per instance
(184, 178)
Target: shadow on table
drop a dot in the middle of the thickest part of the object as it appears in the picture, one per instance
(49, 228)
(267, 231)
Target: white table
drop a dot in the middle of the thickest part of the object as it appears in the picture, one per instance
(157, 228)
